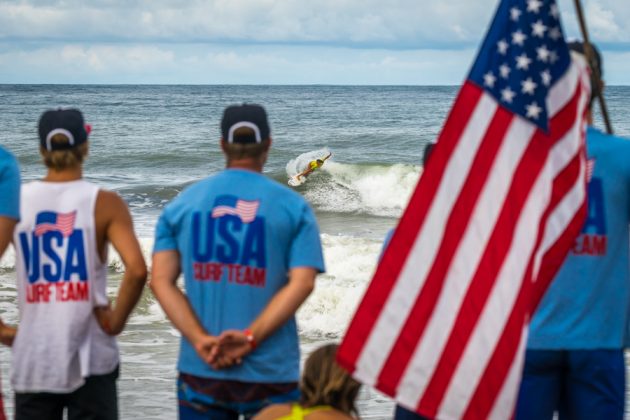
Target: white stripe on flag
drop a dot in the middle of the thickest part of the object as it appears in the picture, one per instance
(413, 274)
(562, 91)
(465, 262)
(505, 401)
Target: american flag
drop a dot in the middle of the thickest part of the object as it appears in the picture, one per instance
(230, 205)
(442, 326)
(47, 221)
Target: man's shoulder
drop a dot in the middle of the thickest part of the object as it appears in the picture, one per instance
(601, 139)
(7, 160)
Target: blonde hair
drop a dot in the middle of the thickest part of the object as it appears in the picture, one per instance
(324, 382)
(59, 160)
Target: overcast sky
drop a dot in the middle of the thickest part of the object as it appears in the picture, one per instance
(415, 42)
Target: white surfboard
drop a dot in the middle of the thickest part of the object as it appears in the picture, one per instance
(296, 181)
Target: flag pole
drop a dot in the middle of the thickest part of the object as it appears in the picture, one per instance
(595, 69)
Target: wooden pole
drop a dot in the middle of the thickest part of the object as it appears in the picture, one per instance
(588, 51)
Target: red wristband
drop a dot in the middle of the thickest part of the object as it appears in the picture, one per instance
(250, 338)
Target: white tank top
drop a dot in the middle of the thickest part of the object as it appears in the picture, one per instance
(60, 280)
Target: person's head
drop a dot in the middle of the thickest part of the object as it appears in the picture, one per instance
(63, 139)
(324, 382)
(320, 162)
(245, 133)
(596, 66)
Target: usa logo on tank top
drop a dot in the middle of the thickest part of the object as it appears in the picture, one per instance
(55, 259)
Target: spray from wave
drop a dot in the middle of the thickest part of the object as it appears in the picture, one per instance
(374, 189)
(300, 163)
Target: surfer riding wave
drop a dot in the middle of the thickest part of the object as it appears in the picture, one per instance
(312, 166)
(300, 168)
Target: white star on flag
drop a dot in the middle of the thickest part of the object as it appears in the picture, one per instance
(533, 110)
(518, 38)
(515, 13)
(543, 53)
(529, 86)
(505, 70)
(502, 46)
(538, 29)
(555, 33)
(534, 6)
(523, 62)
(508, 95)
(553, 11)
(489, 79)
(546, 77)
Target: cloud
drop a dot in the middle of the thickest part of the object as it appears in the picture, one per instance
(201, 64)
(364, 23)
(266, 41)
(395, 24)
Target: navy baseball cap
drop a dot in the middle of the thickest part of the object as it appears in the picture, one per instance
(68, 122)
(251, 116)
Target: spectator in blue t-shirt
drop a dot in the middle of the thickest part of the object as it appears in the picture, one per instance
(9, 216)
(249, 249)
(574, 365)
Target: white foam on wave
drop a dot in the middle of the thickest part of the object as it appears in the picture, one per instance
(350, 262)
(115, 262)
(380, 190)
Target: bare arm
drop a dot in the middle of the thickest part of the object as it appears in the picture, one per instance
(305, 172)
(6, 232)
(165, 270)
(113, 215)
(282, 306)
(7, 333)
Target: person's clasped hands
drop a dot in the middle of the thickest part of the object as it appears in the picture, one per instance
(227, 349)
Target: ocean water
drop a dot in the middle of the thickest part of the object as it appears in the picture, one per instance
(149, 142)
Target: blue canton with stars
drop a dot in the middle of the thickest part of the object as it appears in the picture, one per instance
(523, 55)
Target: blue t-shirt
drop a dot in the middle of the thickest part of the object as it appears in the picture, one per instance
(588, 303)
(9, 186)
(238, 234)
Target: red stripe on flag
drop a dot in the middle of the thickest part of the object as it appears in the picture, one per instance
(458, 220)
(406, 233)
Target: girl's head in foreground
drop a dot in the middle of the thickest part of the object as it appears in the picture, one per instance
(324, 382)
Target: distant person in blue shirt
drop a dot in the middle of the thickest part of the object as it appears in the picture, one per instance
(574, 365)
(249, 249)
(9, 216)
